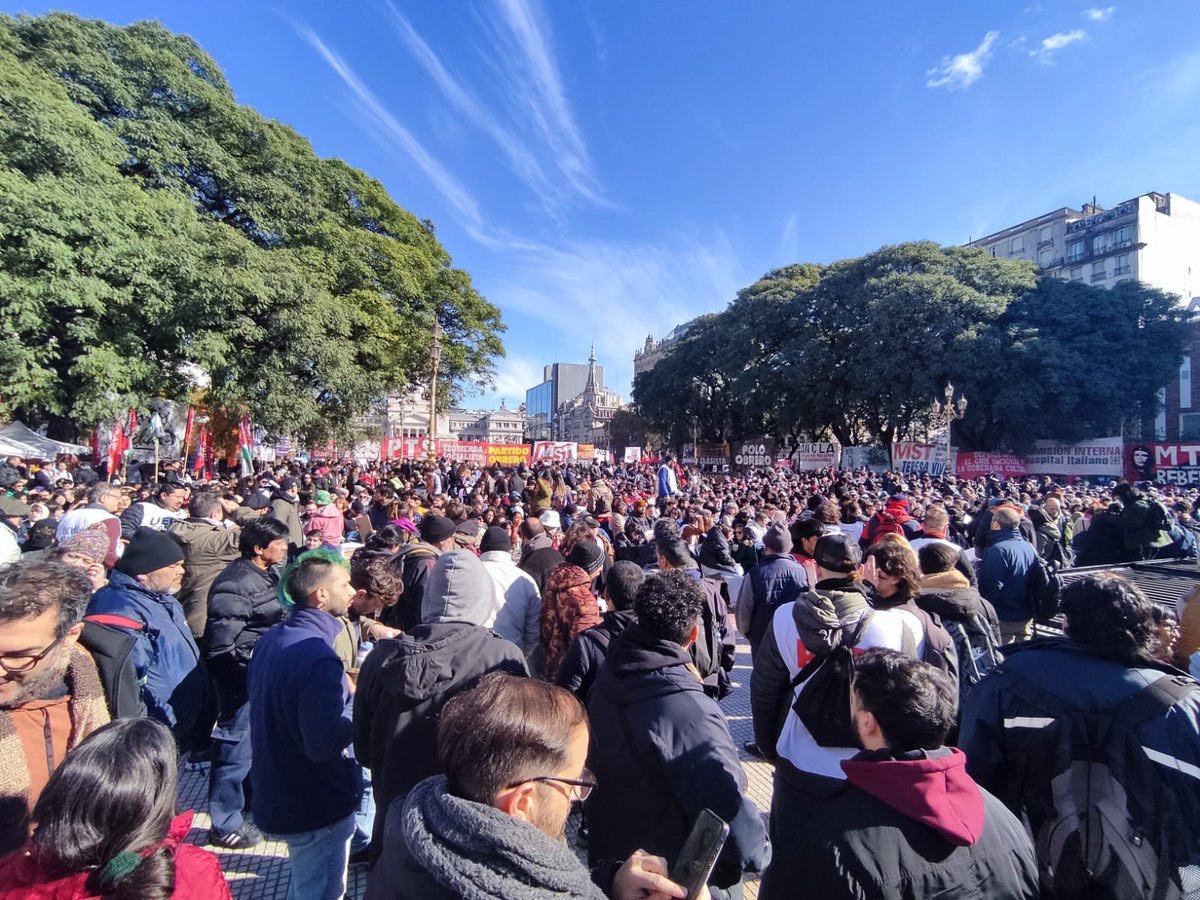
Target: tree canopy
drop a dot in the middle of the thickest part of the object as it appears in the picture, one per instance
(151, 226)
(859, 350)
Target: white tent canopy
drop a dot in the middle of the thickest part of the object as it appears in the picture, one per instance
(18, 439)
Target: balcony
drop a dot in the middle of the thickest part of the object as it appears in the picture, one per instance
(1099, 276)
(1122, 270)
(1046, 243)
(1075, 257)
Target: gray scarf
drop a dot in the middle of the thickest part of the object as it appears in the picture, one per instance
(481, 853)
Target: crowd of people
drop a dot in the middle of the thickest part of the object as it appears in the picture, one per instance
(424, 667)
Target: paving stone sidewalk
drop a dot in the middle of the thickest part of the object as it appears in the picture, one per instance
(262, 873)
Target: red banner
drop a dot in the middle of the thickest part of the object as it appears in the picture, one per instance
(555, 451)
(974, 465)
(471, 452)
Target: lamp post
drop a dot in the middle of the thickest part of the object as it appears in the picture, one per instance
(949, 412)
(435, 358)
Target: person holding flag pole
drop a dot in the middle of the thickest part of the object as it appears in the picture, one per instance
(245, 448)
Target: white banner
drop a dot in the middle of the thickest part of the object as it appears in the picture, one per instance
(1103, 456)
(555, 451)
(919, 459)
(873, 457)
(810, 457)
(633, 454)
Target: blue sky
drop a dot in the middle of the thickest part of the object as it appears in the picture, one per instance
(606, 170)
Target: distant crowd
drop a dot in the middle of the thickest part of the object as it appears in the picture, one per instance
(426, 668)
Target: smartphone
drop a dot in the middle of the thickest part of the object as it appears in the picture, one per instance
(700, 851)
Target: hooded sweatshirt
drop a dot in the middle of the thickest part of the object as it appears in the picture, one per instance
(405, 681)
(910, 825)
(661, 751)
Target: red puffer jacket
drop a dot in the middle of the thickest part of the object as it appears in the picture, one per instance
(197, 873)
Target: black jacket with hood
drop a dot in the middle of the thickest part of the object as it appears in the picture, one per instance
(661, 752)
(579, 667)
(904, 827)
(405, 681)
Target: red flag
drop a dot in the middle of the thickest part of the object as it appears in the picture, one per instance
(201, 451)
(115, 449)
(95, 447)
(131, 427)
(187, 431)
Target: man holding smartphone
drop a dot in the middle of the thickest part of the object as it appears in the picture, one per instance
(661, 747)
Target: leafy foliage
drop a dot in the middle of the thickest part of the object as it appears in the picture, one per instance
(150, 225)
(862, 348)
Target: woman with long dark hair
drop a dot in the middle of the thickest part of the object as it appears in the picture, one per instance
(106, 826)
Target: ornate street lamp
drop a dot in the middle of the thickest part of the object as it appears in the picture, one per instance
(949, 412)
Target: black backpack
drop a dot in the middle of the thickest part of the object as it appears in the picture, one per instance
(1105, 820)
(1044, 589)
(977, 652)
(708, 650)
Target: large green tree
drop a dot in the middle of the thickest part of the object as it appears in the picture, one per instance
(151, 226)
(862, 348)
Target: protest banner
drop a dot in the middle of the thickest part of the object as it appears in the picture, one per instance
(813, 456)
(1103, 456)
(754, 453)
(405, 448)
(469, 452)
(508, 454)
(555, 451)
(1163, 463)
(586, 451)
(632, 454)
(974, 465)
(869, 456)
(912, 458)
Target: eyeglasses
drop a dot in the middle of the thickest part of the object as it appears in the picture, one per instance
(579, 788)
(19, 665)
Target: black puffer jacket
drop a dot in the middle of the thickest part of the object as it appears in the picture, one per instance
(714, 552)
(242, 605)
(662, 752)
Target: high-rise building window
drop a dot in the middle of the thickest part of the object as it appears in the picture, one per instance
(1099, 243)
(1098, 272)
(1122, 266)
(1075, 251)
(1123, 236)
(1017, 245)
(1045, 236)
(1077, 273)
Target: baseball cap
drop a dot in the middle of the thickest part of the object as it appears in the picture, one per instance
(837, 552)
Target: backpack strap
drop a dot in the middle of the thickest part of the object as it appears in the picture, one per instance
(114, 621)
(1156, 697)
(1142, 705)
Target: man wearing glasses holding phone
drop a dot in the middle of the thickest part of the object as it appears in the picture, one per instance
(50, 693)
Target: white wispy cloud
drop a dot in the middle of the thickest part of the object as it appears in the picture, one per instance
(615, 294)
(514, 376)
(1051, 45)
(962, 71)
(520, 157)
(1099, 15)
(540, 93)
(392, 133)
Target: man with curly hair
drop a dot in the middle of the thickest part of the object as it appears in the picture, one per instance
(661, 748)
(1090, 725)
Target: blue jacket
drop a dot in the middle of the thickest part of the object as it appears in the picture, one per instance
(999, 726)
(300, 726)
(1004, 576)
(172, 676)
(661, 752)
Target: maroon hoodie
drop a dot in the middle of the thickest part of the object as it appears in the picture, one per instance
(932, 788)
